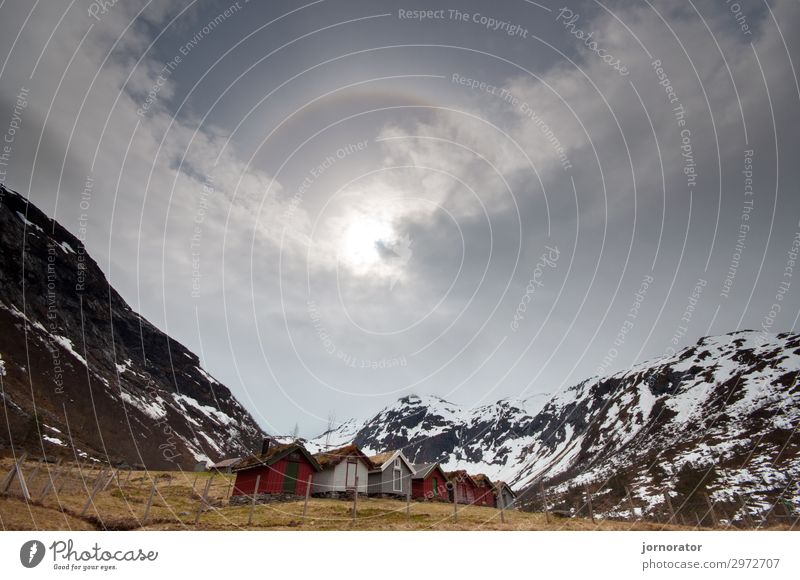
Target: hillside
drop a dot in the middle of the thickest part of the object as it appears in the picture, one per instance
(85, 376)
(716, 419)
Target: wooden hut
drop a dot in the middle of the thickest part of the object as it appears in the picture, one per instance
(504, 495)
(391, 475)
(341, 469)
(282, 471)
(484, 495)
(429, 482)
(461, 487)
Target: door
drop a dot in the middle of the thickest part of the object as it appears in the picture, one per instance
(350, 473)
(290, 477)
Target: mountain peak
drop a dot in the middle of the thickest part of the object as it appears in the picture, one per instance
(68, 336)
(728, 401)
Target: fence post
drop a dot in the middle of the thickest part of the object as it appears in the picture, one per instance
(355, 501)
(502, 505)
(23, 484)
(589, 503)
(110, 479)
(149, 503)
(203, 500)
(51, 479)
(29, 481)
(63, 482)
(11, 474)
(455, 502)
(308, 493)
(253, 502)
(408, 501)
(95, 489)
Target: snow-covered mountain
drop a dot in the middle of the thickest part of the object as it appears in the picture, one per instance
(84, 376)
(431, 429)
(715, 419)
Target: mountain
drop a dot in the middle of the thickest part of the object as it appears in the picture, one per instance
(85, 376)
(716, 419)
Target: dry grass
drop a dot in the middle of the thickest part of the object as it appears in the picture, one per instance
(121, 505)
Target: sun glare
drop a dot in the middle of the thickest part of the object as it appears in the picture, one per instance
(359, 241)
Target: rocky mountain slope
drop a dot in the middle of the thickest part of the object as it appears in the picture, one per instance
(716, 420)
(83, 375)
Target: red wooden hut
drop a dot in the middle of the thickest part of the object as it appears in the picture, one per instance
(284, 469)
(485, 494)
(462, 487)
(429, 483)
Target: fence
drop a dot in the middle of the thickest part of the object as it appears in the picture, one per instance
(120, 498)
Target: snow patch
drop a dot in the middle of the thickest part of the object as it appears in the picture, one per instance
(66, 248)
(153, 409)
(28, 223)
(54, 440)
(214, 414)
(67, 344)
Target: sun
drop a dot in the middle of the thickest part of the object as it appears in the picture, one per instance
(361, 239)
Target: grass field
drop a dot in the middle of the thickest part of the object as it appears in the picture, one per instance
(122, 504)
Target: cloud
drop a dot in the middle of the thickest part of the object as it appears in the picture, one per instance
(426, 239)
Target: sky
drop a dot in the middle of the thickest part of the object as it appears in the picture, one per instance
(339, 203)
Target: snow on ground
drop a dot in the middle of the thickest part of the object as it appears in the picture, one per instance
(153, 409)
(67, 344)
(338, 437)
(54, 440)
(211, 443)
(66, 247)
(210, 412)
(29, 224)
(2, 366)
(126, 365)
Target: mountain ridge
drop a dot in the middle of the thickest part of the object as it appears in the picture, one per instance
(721, 411)
(82, 369)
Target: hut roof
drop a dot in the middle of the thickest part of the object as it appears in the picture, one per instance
(460, 474)
(274, 454)
(334, 457)
(383, 460)
(423, 470)
(499, 485)
(225, 463)
(482, 480)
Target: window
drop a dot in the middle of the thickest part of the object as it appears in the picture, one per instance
(397, 477)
